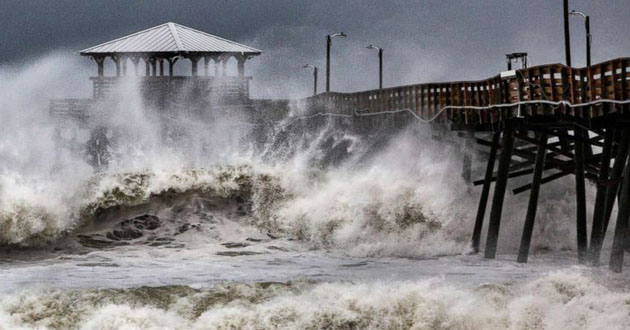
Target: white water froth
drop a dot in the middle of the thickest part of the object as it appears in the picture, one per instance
(560, 300)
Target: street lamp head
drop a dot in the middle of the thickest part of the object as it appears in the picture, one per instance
(373, 47)
(306, 66)
(340, 34)
(577, 13)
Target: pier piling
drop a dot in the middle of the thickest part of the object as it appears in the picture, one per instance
(621, 228)
(499, 190)
(485, 191)
(528, 228)
(580, 194)
(599, 211)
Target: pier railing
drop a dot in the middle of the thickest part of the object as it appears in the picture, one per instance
(552, 89)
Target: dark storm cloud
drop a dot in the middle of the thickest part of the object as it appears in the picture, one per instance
(424, 40)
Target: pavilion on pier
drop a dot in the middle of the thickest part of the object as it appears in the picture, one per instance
(159, 48)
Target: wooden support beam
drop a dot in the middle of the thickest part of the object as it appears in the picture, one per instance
(467, 157)
(599, 211)
(528, 228)
(615, 177)
(499, 190)
(560, 151)
(565, 143)
(621, 228)
(544, 180)
(510, 175)
(485, 191)
(580, 196)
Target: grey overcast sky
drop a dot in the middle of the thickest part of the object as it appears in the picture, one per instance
(424, 40)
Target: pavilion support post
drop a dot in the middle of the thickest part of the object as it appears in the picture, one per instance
(224, 66)
(161, 67)
(621, 228)
(485, 192)
(499, 190)
(135, 60)
(153, 66)
(580, 192)
(241, 65)
(147, 67)
(124, 65)
(116, 60)
(100, 63)
(171, 66)
(194, 60)
(615, 177)
(206, 65)
(599, 211)
(216, 66)
(528, 228)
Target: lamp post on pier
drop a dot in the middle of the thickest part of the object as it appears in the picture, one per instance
(380, 64)
(567, 34)
(589, 37)
(314, 76)
(328, 43)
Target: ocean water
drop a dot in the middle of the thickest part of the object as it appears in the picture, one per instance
(209, 227)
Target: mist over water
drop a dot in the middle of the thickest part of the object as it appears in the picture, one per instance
(294, 229)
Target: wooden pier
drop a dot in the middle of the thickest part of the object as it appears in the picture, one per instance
(567, 121)
(547, 121)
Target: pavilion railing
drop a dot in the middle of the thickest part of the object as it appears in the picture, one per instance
(227, 87)
(77, 108)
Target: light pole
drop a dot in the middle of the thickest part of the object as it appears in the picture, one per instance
(314, 77)
(328, 43)
(567, 35)
(380, 65)
(589, 37)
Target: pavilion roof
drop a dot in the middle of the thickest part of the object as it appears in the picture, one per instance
(170, 39)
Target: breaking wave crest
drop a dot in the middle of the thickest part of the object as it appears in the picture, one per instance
(409, 205)
(563, 300)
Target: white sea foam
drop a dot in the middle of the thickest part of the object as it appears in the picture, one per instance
(561, 300)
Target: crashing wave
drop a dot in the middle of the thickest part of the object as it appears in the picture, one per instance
(563, 300)
(21, 223)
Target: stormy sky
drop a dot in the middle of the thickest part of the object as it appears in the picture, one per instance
(424, 40)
